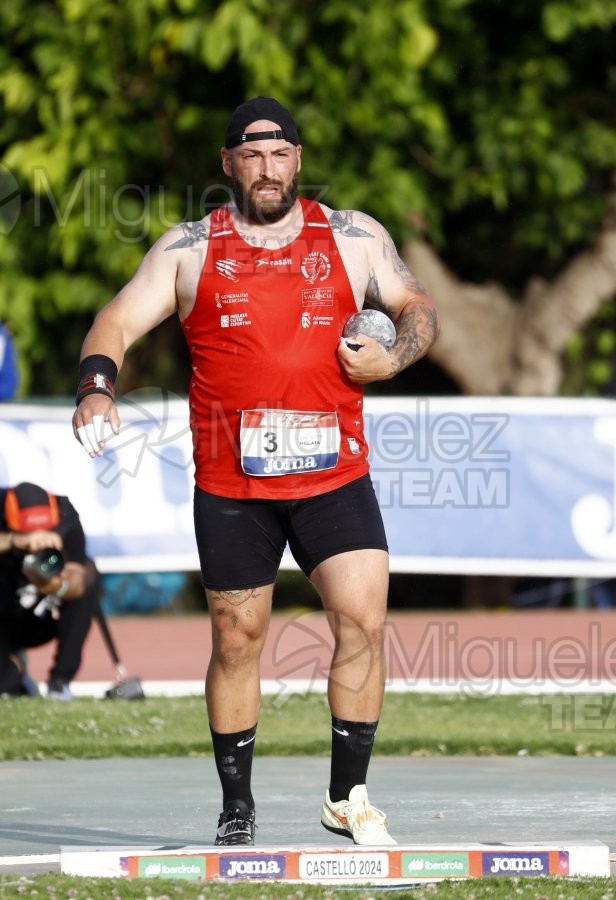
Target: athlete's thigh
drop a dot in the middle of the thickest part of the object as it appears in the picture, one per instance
(353, 585)
(240, 542)
(339, 521)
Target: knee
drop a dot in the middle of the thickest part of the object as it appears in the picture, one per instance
(234, 649)
(373, 634)
(367, 631)
(231, 659)
(375, 631)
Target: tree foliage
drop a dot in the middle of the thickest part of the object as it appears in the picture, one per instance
(484, 127)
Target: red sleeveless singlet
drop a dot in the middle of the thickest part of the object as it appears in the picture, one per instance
(263, 335)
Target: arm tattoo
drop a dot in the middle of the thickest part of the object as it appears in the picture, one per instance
(194, 233)
(417, 324)
(416, 331)
(342, 222)
(410, 283)
(401, 268)
(373, 291)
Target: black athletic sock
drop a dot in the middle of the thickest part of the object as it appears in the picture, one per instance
(233, 754)
(351, 751)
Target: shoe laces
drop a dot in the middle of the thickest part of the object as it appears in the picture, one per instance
(242, 818)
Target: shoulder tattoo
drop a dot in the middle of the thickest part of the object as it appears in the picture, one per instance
(342, 222)
(193, 233)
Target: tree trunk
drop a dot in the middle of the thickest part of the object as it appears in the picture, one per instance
(493, 344)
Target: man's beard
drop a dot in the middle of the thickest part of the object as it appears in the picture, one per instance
(263, 212)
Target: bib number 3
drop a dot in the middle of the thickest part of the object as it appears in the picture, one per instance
(287, 442)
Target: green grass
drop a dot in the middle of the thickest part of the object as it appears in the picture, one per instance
(411, 725)
(58, 887)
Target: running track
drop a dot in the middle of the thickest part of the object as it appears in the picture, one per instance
(556, 645)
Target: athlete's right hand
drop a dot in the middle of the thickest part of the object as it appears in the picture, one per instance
(91, 422)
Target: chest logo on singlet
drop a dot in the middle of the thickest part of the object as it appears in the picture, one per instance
(287, 261)
(316, 267)
(232, 297)
(318, 296)
(229, 268)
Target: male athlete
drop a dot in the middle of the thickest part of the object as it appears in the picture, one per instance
(263, 287)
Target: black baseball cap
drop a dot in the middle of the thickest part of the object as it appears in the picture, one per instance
(253, 110)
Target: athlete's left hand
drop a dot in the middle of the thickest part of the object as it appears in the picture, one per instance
(372, 362)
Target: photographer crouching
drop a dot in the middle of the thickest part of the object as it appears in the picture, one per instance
(49, 589)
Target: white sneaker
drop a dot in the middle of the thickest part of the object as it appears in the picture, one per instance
(356, 818)
(58, 690)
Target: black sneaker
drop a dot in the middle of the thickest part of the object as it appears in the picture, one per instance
(236, 824)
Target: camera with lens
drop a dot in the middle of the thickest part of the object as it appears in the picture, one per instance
(43, 564)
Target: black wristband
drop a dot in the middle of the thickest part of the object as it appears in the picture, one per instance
(97, 375)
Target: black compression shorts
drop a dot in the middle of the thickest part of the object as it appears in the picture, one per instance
(241, 542)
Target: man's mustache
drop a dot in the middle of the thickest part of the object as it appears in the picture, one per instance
(260, 184)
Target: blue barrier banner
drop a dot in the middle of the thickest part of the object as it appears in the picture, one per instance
(519, 486)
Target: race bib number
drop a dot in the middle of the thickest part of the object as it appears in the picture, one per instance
(286, 442)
